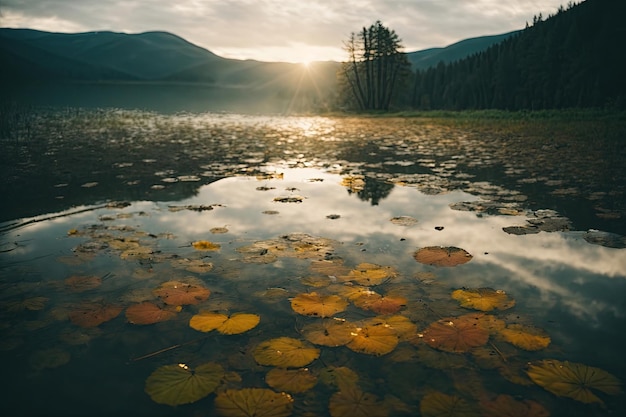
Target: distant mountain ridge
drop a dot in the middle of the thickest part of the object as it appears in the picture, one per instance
(431, 57)
(163, 56)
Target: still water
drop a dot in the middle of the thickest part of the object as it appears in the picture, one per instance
(310, 280)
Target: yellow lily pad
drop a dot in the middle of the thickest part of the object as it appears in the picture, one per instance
(291, 380)
(483, 299)
(373, 339)
(525, 337)
(179, 384)
(234, 324)
(249, 402)
(573, 380)
(370, 274)
(329, 332)
(285, 352)
(205, 245)
(314, 304)
(352, 402)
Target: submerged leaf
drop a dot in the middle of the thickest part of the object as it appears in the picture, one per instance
(291, 380)
(438, 404)
(79, 283)
(314, 304)
(442, 256)
(483, 299)
(179, 384)
(234, 324)
(352, 402)
(573, 380)
(253, 402)
(285, 352)
(92, 314)
(507, 406)
(149, 313)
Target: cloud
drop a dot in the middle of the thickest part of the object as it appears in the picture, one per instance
(277, 29)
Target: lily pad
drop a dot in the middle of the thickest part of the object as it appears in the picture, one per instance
(483, 299)
(234, 324)
(149, 313)
(525, 337)
(291, 380)
(373, 338)
(253, 402)
(573, 380)
(442, 256)
(370, 274)
(180, 384)
(180, 293)
(329, 332)
(92, 314)
(314, 304)
(285, 352)
(352, 402)
(205, 245)
(438, 404)
(455, 334)
(507, 406)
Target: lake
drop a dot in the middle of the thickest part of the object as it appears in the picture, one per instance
(225, 264)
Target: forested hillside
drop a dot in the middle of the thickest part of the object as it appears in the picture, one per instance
(572, 59)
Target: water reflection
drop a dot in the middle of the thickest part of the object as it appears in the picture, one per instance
(561, 283)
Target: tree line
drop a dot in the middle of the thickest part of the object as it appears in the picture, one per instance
(573, 58)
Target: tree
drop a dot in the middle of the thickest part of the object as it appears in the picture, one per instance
(375, 68)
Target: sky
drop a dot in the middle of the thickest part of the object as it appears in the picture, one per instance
(280, 30)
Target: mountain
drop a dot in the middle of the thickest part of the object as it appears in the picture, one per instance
(427, 58)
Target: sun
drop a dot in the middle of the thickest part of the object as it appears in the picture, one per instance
(306, 63)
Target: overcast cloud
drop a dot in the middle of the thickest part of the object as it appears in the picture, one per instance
(280, 30)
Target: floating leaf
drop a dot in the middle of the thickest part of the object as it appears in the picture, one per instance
(314, 304)
(79, 283)
(179, 384)
(205, 245)
(291, 380)
(455, 334)
(92, 314)
(438, 404)
(218, 230)
(483, 299)
(507, 406)
(379, 304)
(285, 352)
(525, 337)
(401, 325)
(234, 324)
(339, 377)
(329, 332)
(253, 402)
(370, 274)
(442, 256)
(179, 293)
(403, 220)
(352, 402)
(149, 313)
(573, 380)
(373, 339)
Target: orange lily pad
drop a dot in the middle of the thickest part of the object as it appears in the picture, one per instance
(180, 293)
(149, 313)
(373, 339)
(442, 256)
(92, 314)
(455, 334)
